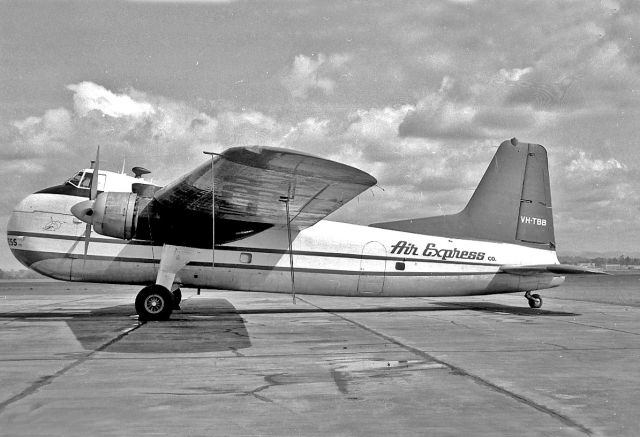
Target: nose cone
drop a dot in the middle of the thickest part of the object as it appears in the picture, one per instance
(16, 228)
(37, 215)
(41, 233)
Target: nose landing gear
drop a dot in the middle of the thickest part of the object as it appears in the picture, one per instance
(535, 301)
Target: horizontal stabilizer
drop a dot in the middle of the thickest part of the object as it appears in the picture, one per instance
(556, 269)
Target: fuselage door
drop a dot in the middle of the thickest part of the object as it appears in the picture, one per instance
(372, 268)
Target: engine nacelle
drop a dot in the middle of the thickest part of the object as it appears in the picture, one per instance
(114, 214)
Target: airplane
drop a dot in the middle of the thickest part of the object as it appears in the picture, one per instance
(252, 219)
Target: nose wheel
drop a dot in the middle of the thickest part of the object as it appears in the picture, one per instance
(154, 302)
(535, 301)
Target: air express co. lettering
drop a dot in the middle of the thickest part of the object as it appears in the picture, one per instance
(433, 251)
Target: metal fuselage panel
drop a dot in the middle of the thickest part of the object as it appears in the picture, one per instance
(329, 258)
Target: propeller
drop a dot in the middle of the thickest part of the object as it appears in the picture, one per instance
(84, 210)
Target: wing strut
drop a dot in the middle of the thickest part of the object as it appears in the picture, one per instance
(285, 200)
(213, 211)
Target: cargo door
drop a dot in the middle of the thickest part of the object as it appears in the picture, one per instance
(372, 268)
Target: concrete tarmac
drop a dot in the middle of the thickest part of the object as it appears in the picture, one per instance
(75, 361)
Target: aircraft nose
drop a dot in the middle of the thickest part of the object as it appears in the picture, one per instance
(39, 231)
(16, 228)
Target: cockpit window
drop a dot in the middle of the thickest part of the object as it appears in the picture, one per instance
(83, 180)
(76, 179)
(86, 181)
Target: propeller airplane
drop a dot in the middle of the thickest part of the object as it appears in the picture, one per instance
(252, 219)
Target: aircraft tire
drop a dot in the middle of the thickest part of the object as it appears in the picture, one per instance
(177, 298)
(154, 302)
(535, 301)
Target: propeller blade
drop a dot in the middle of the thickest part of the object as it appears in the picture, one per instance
(87, 235)
(93, 192)
(84, 210)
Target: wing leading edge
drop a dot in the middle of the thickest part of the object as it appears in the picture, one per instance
(250, 182)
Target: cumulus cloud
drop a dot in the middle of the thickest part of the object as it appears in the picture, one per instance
(585, 163)
(438, 116)
(130, 123)
(588, 187)
(89, 96)
(38, 135)
(169, 136)
(514, 74)
(308, 74)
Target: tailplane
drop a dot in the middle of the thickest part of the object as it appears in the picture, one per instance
(512, 203)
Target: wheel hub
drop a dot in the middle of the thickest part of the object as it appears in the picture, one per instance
(154, 304)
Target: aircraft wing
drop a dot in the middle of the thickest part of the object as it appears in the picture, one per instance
(556, 269)
(250, 182)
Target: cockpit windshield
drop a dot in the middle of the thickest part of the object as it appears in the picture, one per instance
(82, 179)
(75, 180)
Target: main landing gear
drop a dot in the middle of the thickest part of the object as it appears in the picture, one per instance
(535, 301)
(177, 298)
(157, 302)
(154, 302)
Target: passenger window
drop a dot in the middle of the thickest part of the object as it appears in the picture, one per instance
(245, 258)
(400, 266)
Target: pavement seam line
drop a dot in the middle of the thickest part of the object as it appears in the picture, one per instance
(475, 378)
(43, 307)
(604, 328)
(630, 305)
(46, 380)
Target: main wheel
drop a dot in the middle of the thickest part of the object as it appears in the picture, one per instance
(535, 301)
(177, 298)
(154, 303)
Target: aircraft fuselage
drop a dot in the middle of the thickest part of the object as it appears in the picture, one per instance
(329, 258)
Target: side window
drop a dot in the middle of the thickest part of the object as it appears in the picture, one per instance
(102, 181)
(86, 181)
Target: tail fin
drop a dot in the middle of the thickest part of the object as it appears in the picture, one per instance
(512, 203)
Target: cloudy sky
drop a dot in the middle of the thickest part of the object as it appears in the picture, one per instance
(419, 94)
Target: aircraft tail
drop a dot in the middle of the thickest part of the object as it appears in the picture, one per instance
(512, 203)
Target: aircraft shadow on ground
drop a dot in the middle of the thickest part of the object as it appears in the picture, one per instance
(214, 325)
(488, 307)
(495, 308)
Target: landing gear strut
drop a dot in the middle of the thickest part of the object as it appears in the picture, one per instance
(157, 302)
(154, 302)
(177, 298)
(535, 301)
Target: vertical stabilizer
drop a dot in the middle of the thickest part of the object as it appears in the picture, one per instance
(511, 204)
